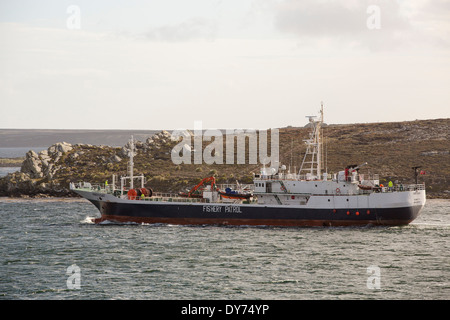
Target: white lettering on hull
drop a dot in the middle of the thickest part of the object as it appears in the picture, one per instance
(220, 209)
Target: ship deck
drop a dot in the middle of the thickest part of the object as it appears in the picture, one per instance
(171, 197)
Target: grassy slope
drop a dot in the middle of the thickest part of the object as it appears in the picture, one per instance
(390, 149)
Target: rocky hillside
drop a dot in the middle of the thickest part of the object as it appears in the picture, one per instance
(390, 149)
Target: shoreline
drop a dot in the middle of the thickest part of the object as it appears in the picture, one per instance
(12, 162)
(43, 199)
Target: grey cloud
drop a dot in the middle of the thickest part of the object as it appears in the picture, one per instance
(432, 21)
(317, 18)
(343, 20)
(194, 28)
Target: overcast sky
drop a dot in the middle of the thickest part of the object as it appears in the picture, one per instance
(230, 64)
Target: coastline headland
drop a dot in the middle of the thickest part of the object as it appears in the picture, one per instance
(391, 150)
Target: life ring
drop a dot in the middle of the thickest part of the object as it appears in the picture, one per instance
(132, 194)
(283, 188)
(338, 190)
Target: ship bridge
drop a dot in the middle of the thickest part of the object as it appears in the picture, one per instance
(277, 185)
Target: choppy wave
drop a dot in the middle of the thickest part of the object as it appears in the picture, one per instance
(42, 238)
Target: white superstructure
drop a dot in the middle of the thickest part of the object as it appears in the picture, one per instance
(311, 187)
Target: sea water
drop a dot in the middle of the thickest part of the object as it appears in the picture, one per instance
(50, 249)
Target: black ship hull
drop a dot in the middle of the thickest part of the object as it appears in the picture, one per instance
(254, 215)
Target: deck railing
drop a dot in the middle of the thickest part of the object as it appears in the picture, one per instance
(171, 197)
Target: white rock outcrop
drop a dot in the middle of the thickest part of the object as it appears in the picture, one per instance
(42, 164)
(32, 165)
(62, 147)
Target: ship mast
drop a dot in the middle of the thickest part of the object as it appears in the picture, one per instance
(319, 142)
(313, 154)
(131, 164)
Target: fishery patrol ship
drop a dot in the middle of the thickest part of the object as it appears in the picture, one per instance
(277, 197)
